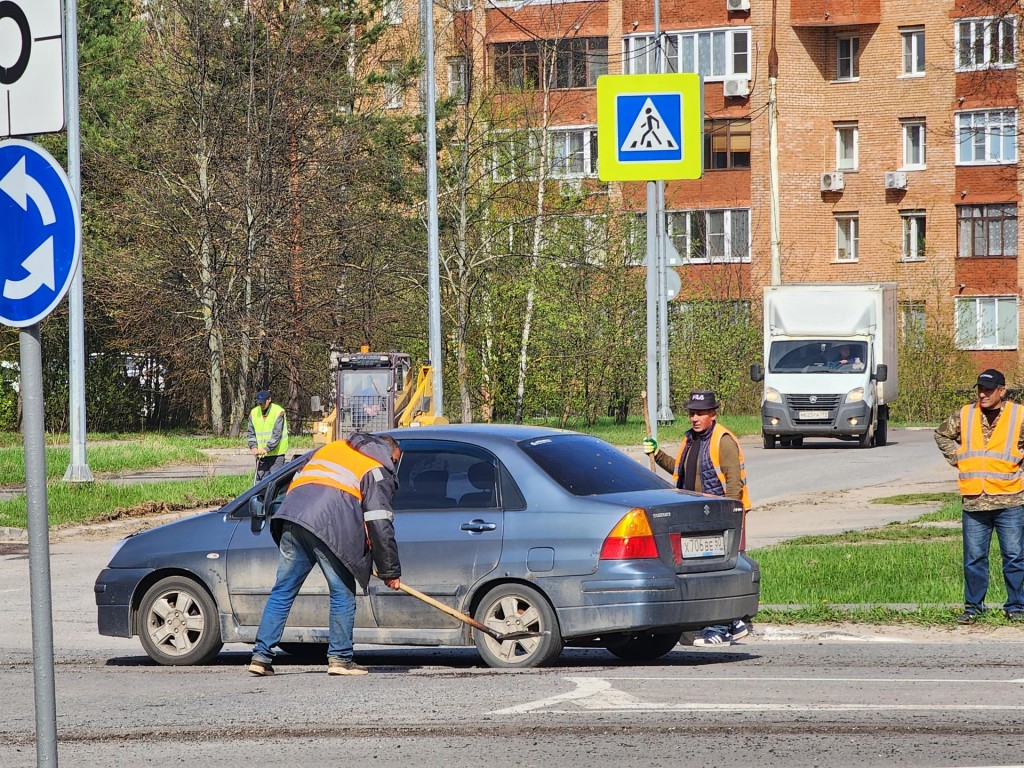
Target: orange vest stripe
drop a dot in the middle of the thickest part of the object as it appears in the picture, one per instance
(716, 460)
(993, 467)
(336, 465)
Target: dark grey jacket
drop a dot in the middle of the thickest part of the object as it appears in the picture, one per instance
(361, 535)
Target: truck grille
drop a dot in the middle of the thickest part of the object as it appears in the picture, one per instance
(813, 402)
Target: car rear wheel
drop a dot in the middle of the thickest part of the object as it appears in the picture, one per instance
(646, 646)
(517, 608)
(177, 623)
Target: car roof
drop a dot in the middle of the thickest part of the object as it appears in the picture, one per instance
(482, 433)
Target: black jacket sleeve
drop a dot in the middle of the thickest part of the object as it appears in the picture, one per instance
(377, 487)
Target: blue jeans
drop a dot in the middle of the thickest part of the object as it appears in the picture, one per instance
(300, 551)
(977, 534)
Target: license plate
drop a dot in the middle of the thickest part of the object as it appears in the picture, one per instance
(812, 415)
(703, 546)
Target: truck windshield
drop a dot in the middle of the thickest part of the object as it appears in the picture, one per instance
(817, 355)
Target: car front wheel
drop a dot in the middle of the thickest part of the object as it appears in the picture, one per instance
(177, 623)
(517, 608)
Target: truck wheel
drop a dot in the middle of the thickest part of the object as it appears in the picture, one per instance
(881, 432)
(769, 440)
(867, 439)
(797, 442)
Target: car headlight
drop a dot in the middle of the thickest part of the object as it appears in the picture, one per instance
(855, 395)
(772, 395)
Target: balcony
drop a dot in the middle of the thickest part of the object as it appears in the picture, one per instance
(834, 13)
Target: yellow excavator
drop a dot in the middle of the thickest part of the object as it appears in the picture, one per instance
(375, 391)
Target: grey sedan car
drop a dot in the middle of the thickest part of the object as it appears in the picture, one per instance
(525, 529)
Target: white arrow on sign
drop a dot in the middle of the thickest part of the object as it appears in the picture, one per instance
(40, 272)
(19, 186)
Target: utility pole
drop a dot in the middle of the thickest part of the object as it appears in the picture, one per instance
(433, 249)
(773, 161)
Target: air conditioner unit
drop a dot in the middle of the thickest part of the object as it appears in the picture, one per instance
(896, 180)
(832, 182)
(736, 86)
(737, 5)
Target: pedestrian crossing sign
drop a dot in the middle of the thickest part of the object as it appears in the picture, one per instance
(650, 127)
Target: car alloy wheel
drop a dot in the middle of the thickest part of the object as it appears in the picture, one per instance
(517, 608)
(177, 623)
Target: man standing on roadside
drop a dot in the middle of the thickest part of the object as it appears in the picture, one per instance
(710, 461)
(267, 435)
(336, 514)
(985, 442)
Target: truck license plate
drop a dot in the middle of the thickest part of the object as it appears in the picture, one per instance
(703, 546)
(808, 415)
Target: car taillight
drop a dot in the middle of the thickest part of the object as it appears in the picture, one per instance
(630, 539)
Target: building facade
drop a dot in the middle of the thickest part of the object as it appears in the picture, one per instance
(898, 133)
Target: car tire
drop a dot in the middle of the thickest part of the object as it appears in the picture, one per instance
(769, 440)
(646, 646)
(177, 623)
(515, 608)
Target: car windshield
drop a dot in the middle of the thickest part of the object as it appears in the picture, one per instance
(816, 355)
(587, 466)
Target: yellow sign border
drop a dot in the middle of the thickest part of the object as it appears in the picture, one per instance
(691, 89)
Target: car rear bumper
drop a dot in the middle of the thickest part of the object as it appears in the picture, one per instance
(114, 588)
(678, 601)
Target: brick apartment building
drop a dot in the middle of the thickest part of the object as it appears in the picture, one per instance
(897, 138)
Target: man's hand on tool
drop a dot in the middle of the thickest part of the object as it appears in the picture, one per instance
(650, 445)
(393, 583)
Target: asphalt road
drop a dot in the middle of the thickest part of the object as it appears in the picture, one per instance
(846, 696)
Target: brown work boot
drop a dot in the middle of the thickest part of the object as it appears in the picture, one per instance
(339, 667)
(261, 668)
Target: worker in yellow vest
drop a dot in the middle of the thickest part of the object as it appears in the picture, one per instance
(267, 435)
(985, 442)
(710, 461)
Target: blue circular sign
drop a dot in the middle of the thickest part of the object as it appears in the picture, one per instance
(42, 233)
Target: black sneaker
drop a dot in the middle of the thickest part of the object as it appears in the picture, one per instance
(261, 668)
(967, 617)
(1014, 616)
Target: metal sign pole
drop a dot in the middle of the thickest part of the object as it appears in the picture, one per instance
(38, 545)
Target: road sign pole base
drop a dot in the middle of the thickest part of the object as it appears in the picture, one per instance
(78, 473)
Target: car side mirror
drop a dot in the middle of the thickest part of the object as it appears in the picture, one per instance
(314, 404)
(257, 514)
(881, 372)
(756, 372)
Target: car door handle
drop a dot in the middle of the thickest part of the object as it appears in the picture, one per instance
(478, 526)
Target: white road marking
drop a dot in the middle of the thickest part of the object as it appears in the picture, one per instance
(597, 695)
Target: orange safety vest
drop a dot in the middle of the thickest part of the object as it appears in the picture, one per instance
(717, 432)
(336, 465)
(992, 468)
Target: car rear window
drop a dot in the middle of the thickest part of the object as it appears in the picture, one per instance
(587, 466)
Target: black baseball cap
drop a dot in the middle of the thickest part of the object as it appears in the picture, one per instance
(991, 378)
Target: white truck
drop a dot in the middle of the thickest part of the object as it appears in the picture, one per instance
(829, 362)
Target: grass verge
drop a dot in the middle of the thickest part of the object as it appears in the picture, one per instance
(899, 573)
(102, 501)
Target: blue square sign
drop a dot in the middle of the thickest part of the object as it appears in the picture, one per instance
(649, 127)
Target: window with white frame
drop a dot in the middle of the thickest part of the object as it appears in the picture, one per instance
(913, 51)
(987, 42)
(913, 144)
(913, 320)
(987, 231)
(847, 236)
(458, 79)
(572, 152)
(515, 155)
(714, 53)
(846, 146)
(847, 59)
(463, 5)
(393, 88)
(391, 10)
(914, 232)
(986, 322)
(986, 137)
(711, 236)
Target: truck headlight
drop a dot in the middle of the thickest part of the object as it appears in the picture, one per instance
(855, 395)
(772, 395)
